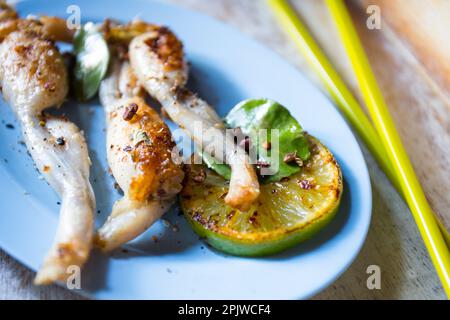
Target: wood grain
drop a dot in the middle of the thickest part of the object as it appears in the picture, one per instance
(421, 114)
(424, 27)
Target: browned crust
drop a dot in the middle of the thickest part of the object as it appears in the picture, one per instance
(167, 47)
(160, 176)
(40, 57)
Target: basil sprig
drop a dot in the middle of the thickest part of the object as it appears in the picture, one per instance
(92, 58)
(250, 116)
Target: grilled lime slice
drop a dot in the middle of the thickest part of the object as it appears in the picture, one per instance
(286, 213)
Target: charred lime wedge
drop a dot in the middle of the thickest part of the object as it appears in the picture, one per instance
(286, 213)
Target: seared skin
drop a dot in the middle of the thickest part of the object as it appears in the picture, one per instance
(33, 77)
(142, 156)
(52, 28)
(158, 60)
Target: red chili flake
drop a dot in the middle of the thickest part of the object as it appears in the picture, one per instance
(290, 157)
(130, 111)
(262, 164)
(305, 184)
(231, 214)
(253, 218)
(197, 216)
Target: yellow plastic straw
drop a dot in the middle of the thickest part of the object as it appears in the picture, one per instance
(335, 85)
(338, 91)
(410, 186)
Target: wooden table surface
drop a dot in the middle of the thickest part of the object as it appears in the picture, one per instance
(421, 112)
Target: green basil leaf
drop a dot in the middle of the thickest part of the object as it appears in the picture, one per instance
(92, 59)
(255, 114)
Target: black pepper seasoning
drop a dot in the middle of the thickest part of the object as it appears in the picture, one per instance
(60, 141)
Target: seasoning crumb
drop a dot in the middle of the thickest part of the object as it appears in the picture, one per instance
(168, 270)
(9, 126)
(290, 157)
(60, 141)
(306, 184)
(200, 176)
(117, 187)
(231, 214)
(130, 111)
(293, 157)
(98, 211)
(124, 250)
(253, 218)
(127, 148)
(175, 228)
(262, 164)
(155, 239)
(42, 123)
(58, 203)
